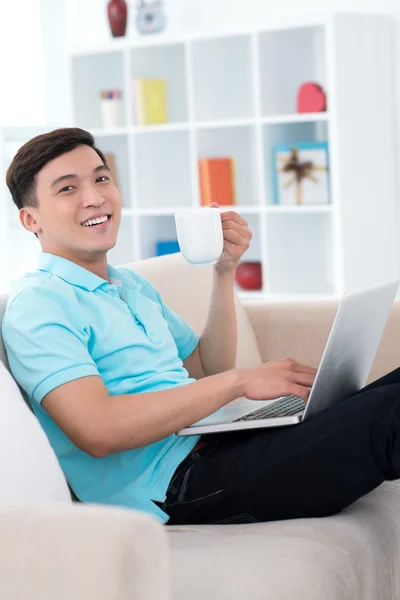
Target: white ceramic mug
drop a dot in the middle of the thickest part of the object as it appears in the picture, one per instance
(200, 235)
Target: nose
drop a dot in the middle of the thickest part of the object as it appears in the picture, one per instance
(92, 197)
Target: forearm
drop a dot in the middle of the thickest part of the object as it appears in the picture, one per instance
(218, 343)
(133, 421)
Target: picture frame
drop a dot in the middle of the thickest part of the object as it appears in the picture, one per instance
(301, 173)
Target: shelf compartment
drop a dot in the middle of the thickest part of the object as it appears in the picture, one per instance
(23, 251)
(12, 211)
(239, 143)
(123, 251)
(254, 252)
(222, 78)
(162, 228)
(164, 62)
(163, 170)
(153, 229)
(314, 131)
(90, 75)
(288, 59)
(299, 250)
(118, 145)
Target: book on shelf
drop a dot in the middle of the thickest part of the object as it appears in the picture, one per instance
(149, 101)
(217, 181)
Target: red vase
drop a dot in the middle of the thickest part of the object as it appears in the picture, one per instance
(117, 17)
(249, 275)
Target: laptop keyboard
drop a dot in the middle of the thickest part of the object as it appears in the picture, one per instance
(288, 406)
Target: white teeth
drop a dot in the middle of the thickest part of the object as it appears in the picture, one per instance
(95, 221)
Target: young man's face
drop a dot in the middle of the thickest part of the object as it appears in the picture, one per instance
(70, 190)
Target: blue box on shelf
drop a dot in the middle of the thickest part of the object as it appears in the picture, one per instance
(167, 247)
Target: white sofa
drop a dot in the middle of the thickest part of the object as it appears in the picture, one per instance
(54, 549)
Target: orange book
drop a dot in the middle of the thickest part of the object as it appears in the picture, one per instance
(217, 181)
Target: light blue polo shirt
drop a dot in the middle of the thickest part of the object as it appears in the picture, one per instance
(63, 322)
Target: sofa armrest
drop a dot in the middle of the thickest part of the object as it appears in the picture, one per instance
(292, 328)
(82, 551)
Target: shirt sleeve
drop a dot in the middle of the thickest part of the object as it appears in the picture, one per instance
(185, 337)
(45, 342)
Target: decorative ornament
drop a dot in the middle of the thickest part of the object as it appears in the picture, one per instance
(248, 275)
(311, 98)
(150, 17)
(301, 171)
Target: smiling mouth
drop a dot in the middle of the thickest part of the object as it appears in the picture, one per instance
(97, 223)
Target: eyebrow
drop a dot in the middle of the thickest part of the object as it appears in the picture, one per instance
(74, 176)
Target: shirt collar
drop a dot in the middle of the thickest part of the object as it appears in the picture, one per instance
(115, 276)
(71, 272)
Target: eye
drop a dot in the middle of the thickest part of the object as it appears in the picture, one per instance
(102, 179)
(67, 188)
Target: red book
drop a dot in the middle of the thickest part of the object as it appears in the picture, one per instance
(217, 181)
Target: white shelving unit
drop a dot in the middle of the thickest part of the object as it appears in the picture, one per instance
(18, 247)
(235, 94)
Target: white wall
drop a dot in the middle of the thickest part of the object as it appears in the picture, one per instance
(33, 67)
(87, 21)
(57, 101)
(21, 65)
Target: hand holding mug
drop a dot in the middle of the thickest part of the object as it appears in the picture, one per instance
(200, 235)
(236, 240)
(207, 236)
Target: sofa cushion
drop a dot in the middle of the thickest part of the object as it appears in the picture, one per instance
(29, 470)
(187, 290)
(354, 554)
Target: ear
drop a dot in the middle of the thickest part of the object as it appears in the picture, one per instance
(28, 220)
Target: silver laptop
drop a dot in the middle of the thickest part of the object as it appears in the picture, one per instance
(343, 370)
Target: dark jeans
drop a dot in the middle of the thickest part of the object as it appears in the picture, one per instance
(313, 469)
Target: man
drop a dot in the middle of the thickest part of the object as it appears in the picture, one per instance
(112, 373)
